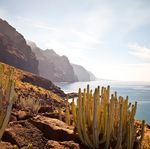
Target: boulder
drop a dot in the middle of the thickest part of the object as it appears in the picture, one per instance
(41, 132)
(54, 129)
(22, 133)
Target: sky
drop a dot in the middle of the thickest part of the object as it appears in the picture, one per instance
(109, 38)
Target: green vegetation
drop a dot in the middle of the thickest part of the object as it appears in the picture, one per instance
(105, 122)
(6, 96)
(67, 116)
(30, 146)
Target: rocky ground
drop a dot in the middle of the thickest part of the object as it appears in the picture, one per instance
(44, 132)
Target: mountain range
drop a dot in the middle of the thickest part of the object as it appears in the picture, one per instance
(16, 51)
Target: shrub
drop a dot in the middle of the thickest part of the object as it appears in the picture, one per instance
(30, 104)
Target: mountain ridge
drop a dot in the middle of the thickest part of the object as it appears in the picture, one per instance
(53, 66)
(79, 72)
(14, 50)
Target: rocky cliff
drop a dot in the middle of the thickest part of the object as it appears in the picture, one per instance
(82, 74)
(52, 66)
(14, 50)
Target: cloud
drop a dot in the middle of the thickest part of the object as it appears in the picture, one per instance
(72, 42)
(45, 27)
(139, 51)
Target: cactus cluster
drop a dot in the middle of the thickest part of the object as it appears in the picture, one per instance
(105, 121)
(6, 96)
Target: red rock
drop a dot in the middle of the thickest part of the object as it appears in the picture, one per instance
(38, 130)
(54, 129)
(22, 133)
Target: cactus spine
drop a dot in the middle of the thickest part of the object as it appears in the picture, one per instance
(105, 121)
(6, 96)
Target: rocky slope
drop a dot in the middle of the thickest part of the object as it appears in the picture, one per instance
(82, 74)
(42, 132)
(14, 50)
(30, 86)
(52, 66)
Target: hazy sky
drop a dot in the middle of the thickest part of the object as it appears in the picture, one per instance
(110, 37)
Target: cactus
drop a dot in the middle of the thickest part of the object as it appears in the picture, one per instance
(15, 147)
(30, 146)
(67, 116)
(105, 121)
(6, 96)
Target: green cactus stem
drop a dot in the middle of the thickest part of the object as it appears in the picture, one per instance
(6, 97)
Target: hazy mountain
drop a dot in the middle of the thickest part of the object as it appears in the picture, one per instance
(52, 66)
(14, 50)
(92, 76)
(82, 74)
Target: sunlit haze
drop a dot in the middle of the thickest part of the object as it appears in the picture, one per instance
(109, 38)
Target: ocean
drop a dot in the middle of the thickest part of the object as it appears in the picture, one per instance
(136, 91)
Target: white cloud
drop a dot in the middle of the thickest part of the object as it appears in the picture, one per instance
(72, 43)
(45, 27)
(139, 51)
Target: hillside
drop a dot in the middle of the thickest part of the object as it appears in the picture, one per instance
(52, 66)
(14, 50)
(29, 85)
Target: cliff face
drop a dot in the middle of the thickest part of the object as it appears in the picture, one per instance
(14, 50)
(92, 76)
(52, 66)
(82, 74)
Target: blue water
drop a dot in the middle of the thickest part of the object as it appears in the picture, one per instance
(136, 91)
